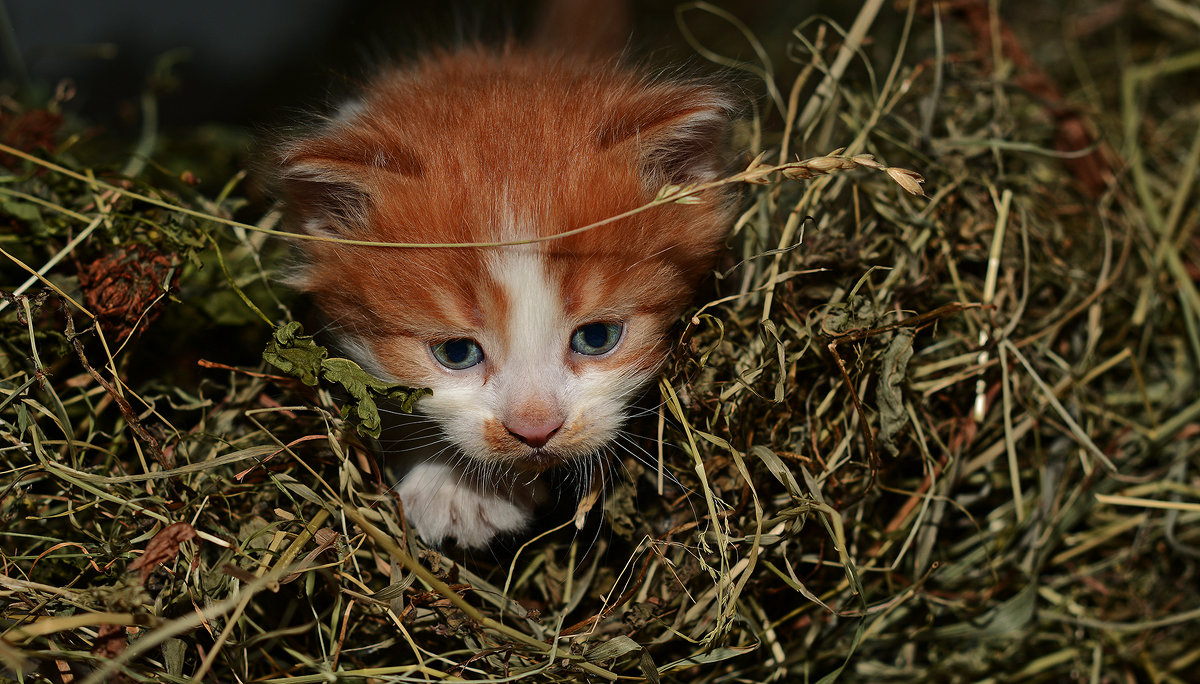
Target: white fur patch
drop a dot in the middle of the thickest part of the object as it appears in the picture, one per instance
(534, 341)
(349, 111)
(440, 502)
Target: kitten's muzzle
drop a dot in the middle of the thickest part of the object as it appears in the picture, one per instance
(535, 434)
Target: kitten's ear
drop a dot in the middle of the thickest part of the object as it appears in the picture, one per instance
(680, 133)
(327, 182)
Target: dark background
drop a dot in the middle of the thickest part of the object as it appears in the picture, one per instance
(254, 61)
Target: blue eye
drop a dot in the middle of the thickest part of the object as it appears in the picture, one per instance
(595, 339)
(457, 354)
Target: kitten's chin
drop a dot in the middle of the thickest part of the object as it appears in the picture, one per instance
(539, 461)
(530, 461)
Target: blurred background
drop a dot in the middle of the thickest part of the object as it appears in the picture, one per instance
(239, 61)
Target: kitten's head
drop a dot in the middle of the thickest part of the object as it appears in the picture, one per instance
(532, 351)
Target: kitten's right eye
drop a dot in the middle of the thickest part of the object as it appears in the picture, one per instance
(457, 354)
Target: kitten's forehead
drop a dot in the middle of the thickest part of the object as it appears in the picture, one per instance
(533, 322)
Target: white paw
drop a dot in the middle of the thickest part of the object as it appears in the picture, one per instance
(440, 502)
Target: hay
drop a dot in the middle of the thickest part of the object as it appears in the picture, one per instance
(906, 439)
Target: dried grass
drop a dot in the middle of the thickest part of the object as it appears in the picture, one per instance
(908, 439)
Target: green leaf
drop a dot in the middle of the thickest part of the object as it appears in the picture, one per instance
(407, 396)
(777, 468)
(360, 385)
(25, 211)
(395, 589)
(295, 354)
(715, 655)
(621, 645)
(613, 648)
(890, 395)
(300, 356)
(174, 652)
(1012, 617)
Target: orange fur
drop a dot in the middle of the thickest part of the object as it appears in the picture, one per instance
(445, 148)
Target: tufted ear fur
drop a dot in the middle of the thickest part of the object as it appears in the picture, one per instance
(327, 181)
(680, 133)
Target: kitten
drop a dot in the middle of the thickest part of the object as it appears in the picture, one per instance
(534, 351)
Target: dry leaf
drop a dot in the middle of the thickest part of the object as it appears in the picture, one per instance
(110, 642)
(162, 548)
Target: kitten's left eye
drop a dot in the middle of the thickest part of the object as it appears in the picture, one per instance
(457, 354)
(595, 339)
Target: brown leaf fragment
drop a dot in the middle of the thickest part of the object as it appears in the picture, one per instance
(110, 642)
(162, 548)
(126, 288)
(28, 131)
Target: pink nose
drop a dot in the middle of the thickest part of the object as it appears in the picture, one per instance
(534, 433)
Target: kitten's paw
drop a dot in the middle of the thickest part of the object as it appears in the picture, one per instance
(440, 502)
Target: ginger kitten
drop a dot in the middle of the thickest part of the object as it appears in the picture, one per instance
(533, 352)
